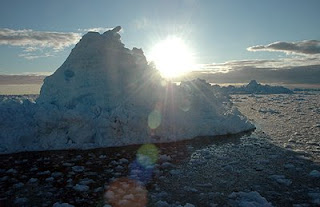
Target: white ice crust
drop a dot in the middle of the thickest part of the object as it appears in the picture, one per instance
(107, 95)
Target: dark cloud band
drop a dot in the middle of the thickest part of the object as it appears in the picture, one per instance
(308, 47)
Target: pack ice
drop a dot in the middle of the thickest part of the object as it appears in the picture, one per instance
(107, 95)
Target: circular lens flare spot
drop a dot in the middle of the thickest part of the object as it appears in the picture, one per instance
(185, 105)
(125, 192)
(140, 173)
(154, 119)
(164, 83)
(147, 155)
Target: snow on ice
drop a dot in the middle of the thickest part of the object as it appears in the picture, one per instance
(107, 95)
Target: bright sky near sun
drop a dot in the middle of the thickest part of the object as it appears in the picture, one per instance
(37, 35)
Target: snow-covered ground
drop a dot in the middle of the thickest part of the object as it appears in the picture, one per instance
(293, 121)
(277, 165)
(280, 160)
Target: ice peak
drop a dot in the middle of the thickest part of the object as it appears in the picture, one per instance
(113, 34)
(253, 83)
(110, 38)
(116, 29)
(99, 68)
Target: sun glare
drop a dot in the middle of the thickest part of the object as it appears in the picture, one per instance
(172, 57)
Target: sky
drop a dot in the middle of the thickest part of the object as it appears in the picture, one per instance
(36, 36)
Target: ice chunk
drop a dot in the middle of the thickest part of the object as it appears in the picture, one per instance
(315, 174)
(281, 179)
(81, 188)
(78, 168)
(250, 199)
(58, 204)
(162, 204)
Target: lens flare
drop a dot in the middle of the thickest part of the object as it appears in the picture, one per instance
(154, 119)
(147, 155)
(125, 192)
(142, 168)
(163, 83)
(185, 105)
(140, 173)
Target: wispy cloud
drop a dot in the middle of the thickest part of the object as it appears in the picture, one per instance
(274, 64)
(302, 66)
(308, 47)
(38, 39)
(32, 56)
(302, 54)
(38, 44)
(236, 64)
(302, 74)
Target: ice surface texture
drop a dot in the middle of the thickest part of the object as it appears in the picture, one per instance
(107, 95)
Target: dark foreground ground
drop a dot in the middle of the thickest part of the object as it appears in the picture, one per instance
(279, 162)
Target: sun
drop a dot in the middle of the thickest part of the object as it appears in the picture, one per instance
(172, 57)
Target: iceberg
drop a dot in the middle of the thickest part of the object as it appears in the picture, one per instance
(105, 95)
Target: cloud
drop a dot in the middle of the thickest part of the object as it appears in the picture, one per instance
(307, 47)
(295, 69)
(31, 56)
(235, 64)
(274, 64)
(96, 29)
(38, 44)
(38, 39)
(296, 75)
(30, 49)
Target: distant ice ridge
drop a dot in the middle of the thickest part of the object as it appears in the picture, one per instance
(107, 95)
(254, 88)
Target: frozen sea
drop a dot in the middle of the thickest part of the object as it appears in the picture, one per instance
(19, 89)
(276, 165)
